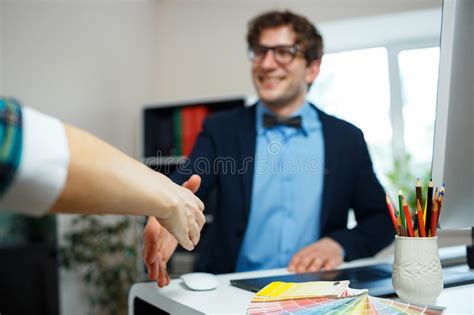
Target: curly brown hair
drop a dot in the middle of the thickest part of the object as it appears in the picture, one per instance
(307, 36)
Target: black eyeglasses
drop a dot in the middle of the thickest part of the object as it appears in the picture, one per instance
(283, 54)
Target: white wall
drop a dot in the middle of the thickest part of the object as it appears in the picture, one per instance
(202, 49)
(90, 63)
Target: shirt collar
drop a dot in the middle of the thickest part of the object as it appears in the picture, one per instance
(309, 115)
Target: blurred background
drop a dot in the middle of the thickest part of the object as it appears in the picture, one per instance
(97, 63)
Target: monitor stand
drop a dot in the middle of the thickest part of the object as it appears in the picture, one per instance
(470, 256)
(470, 251)
(459, 238)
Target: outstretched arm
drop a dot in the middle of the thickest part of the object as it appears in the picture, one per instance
(48, 166)
(103, 180)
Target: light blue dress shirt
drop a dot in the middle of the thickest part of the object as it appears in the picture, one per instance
(287, 191)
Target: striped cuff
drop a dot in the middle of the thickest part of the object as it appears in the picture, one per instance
(11, 141)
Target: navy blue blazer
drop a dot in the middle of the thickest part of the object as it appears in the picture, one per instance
(223, 156)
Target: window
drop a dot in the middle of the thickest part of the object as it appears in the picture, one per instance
(419, 81)
(354, 86)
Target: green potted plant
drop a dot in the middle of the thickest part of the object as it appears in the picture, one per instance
(105, 256)
(403, 177)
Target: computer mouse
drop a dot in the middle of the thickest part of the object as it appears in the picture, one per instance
(200, 281)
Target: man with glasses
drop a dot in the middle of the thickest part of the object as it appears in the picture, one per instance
(298, 171)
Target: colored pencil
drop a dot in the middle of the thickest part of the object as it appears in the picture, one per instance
(415, 223)
(429, 207)
(391, 212)
(416, 233)
(401, 231)
(435, 202)
(408, 218)
(419, 193)
(434, 220)
(421, 224)
(440, 201)
(400, 209)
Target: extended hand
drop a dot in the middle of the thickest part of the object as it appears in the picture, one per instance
(159, 244)
(185, 218)
(324, 254)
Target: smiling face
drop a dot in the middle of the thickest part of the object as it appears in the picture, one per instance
(277, 85)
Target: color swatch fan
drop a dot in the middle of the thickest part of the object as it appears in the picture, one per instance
(326, 297)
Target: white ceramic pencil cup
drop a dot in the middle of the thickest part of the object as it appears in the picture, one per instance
(417, 276)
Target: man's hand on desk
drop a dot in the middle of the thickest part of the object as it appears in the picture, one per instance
(323, 254)
(159, 244)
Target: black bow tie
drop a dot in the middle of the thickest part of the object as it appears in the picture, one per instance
(270, 121)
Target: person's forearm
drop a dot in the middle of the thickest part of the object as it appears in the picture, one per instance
(103, 180)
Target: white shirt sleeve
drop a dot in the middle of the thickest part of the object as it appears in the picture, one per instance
(42, 173)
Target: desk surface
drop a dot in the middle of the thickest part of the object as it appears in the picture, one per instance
(176, 298)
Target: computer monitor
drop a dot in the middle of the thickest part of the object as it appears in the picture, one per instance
(453, 150)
